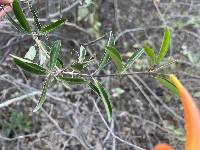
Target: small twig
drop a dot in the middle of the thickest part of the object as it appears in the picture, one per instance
(14, 43)
(109, 133)
(136, 30)
(114, 136)
(6, 53)
(94, 41)
(147, 98)
(17, 99)
(19, 137)
(116, 14)
(160, 100)
(163, 66)
(159, 12)
(76, 3)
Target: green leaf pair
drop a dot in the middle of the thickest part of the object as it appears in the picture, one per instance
(33, 68)
(163, 49)
(23, 26)
(115, 55)
(112, 52)
(53, 60)
(48, 49)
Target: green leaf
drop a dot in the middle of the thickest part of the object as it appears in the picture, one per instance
(44, 46)
(193, 57)
(78, 66)
(52, 26)
(94, 88)
(105, 58)
(82, 13)
(197, 94)
(118, 91)
(31, 53)
(111, 40)
(165, 45)
(54, 54)
(103, 61)
(166, 83)
(43, 95)
(59, 63)
(20, 16)
(42, 57)
(99, 89)
(87, 3)
(133, 58)
(14, 23)
(150, 52)
(72, 81)
(115, 55)
(29, 66)
(82, 54)
(35, 17)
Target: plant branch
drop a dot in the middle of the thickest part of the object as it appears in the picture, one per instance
(114, 75)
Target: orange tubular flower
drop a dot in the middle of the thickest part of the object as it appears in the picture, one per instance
(163, 147)
(191, 117)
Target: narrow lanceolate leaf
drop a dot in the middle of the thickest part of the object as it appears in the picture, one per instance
(59, 63)
(72, 81)
(99, 89)
(105, 58)
(31, 53)
(115, 55)
(45, 47)
(150, 52)
(133, 58)
(54, 54)
(43, 95)
(103, 61)
(78, 66)
(165, 45)
(82, 54)
(14, 23)
(166, 83)
(94, 88)
(29, 66)
(42, 57)
(35, 17)
(20, 16)
(52, 26)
